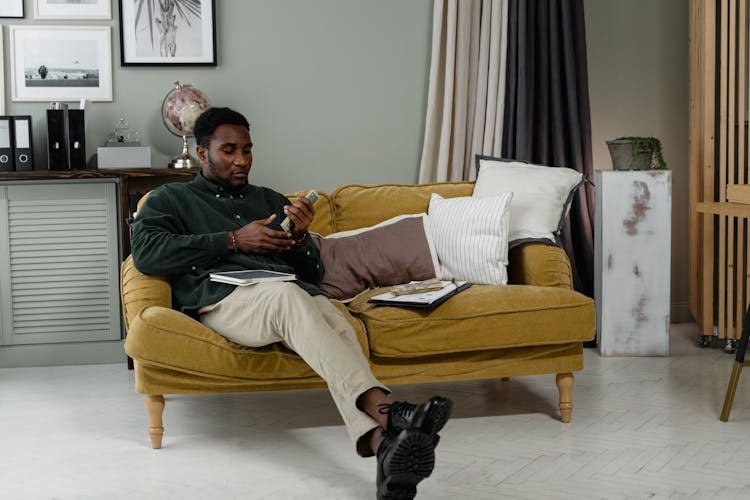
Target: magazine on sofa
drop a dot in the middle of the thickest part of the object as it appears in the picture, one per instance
(427, 300)
(250, 277)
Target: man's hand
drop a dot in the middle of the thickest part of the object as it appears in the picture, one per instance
(301, 213)
(257, 237)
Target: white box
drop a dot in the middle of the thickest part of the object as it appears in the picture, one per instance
(124, 157)
(632, 240)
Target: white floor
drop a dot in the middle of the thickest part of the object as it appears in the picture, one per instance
(643, 428)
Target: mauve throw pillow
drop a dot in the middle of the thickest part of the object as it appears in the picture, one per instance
(395, 251)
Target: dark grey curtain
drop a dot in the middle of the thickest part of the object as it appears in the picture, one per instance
(547, 118)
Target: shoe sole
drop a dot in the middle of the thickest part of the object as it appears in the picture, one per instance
(411, 462)
(436, 415)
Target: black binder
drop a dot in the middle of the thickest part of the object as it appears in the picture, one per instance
(7, 160)
(22, 143)
(76, 139)
(57, 139)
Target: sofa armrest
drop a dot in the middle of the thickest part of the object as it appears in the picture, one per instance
(539, 264)
(138, 290)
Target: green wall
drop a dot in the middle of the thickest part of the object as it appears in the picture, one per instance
(335, 90)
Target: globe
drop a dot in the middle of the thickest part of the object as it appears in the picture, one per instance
(179, 110)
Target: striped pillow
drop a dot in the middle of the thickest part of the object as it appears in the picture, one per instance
(471, 237)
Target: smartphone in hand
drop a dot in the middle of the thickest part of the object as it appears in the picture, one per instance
(287, 224)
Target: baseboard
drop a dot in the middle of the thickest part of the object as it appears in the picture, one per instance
(679, 312)
(69, 353)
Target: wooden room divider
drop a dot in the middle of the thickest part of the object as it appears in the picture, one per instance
(719, 191)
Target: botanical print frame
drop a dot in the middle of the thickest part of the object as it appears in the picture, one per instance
(60, 63)
(11, 8)
(167, 32)
(73, 9)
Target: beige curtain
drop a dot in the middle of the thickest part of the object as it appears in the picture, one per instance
(466, 98)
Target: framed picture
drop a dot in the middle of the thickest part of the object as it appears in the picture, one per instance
(2, 75)
(167, 32)
(11, 8)
(72, 9)
(60, 63)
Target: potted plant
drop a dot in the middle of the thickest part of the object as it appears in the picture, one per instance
(636, 153)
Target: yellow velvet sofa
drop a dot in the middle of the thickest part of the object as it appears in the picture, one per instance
(534, 325)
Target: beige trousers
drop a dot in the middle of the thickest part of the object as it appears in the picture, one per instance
(265, 313)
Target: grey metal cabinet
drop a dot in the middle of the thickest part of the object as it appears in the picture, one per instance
(59, 261)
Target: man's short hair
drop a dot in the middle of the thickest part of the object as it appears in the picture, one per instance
(208, 121)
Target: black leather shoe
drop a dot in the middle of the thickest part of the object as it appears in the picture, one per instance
(404, 459)
(428, 418)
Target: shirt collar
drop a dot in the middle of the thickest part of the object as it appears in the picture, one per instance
(213, 188)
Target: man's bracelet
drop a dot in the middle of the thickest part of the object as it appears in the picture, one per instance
(234, 241)
(298, 240)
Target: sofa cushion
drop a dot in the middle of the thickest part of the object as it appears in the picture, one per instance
(471, 237)
(541, 196)
(483, 317)
(173, 340)
(539, 264)
(395, 251)
(358, 206)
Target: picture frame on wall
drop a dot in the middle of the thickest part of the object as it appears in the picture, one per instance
(2, 74)
(73, 9)
(11, 8)
(60, 63)
(167, 32)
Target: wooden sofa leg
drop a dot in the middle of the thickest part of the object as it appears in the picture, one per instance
(564, 383)
(505, 379)
(155, 410)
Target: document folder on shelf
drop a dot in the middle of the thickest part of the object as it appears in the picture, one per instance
(22, 143)
(57, 139)
(76, 139)
(7, 160)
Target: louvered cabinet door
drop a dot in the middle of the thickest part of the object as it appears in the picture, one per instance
(59, 260)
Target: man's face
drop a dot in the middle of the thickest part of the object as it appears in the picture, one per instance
(228, 158)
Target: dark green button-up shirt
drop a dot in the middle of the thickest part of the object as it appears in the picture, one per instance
(181, 232)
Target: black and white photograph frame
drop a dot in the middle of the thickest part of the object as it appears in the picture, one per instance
(11, 9)
(60, 63)
(73, 9)
(167, 32)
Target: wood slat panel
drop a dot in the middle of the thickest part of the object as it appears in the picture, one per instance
(740, 179)
(722, 166)
(708, 165)
(694, 145)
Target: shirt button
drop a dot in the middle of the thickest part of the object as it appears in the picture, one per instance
(218, 195)
(308, 253)
(237, 216)
(193, 268)
(242, 196)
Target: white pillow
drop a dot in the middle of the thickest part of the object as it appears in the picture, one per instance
(541, 196)
(471, 237)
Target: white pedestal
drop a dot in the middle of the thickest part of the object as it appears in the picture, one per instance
(632, 261)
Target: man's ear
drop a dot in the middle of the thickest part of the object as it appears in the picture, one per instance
(202, 153)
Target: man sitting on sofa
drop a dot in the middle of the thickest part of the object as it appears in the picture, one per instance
(219, 222)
